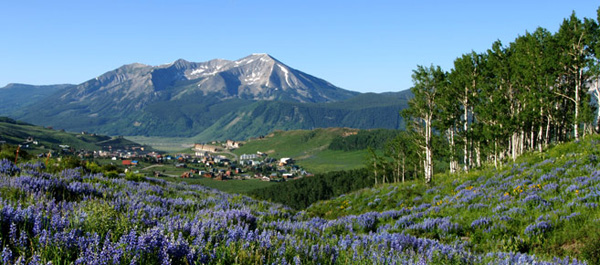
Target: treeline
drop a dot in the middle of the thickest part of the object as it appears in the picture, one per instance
(495, 105)
(301, 193)
(376, 139)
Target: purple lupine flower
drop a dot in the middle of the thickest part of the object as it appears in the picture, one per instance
(35, 260)
(538, 228)
(297, 260)
(8, 168)
(12, 233)
(570, 216)
(481, 222)
(23, 240)
(7, 255)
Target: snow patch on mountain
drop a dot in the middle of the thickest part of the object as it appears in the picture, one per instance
(286, 73)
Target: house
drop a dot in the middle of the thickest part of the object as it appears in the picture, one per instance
(248, 156)
(230, 144)
(265, 178)
(205, 148)
(201, 153)
(126, 162)
(220, 159)
(285, 161)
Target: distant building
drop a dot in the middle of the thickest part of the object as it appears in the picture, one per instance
(205, 148)
(232, 144)
(285, 161)
(248, 156)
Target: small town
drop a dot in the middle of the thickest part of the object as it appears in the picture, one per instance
(212, 161)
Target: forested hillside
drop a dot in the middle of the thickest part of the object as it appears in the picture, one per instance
(495, 105)
(301, 193)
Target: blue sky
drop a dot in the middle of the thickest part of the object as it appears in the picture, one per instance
(366, 46)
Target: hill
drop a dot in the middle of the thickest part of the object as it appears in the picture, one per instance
(214, 100)
(544, 204)
(17, 132)
(365, 111)
(311, 148)
(16, 96)
(535, 212)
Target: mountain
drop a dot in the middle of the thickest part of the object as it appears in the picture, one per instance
(365, 111)
(15, 96)
(209, 100)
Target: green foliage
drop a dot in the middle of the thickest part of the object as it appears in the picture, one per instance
(591, 246)
(103, 218)
(93, 167)
(134, 177)
(376, 139)
(70, 162)
(111, 174)
(510, 99)
(10, 152)
(234, 186)
(301, 193)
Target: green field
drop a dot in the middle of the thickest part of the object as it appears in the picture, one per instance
(297, 144)
(309, 148)
(329, 160)
(166, 144)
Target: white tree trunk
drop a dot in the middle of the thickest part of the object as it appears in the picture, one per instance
(453, 162)
(428, 149)
(577, 88)
(597, 94)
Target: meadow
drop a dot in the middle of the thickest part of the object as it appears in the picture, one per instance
(543, 209)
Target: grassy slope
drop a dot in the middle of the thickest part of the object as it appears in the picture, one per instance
(308, 148)
(230, 186)
(502, 210)
(14, 132)
(167, 144)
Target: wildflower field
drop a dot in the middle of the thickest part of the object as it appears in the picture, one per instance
(541, 210)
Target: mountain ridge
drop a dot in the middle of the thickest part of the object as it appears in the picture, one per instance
(184, 99)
